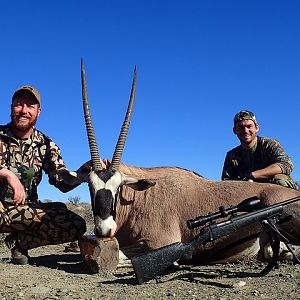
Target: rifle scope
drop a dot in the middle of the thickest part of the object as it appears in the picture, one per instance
(246, 205)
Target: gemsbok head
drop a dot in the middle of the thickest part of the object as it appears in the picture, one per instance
(104, 182)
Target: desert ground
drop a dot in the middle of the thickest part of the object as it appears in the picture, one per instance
(57, 274)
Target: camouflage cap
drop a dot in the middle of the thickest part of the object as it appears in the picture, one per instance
(28, 89)
(244, 115)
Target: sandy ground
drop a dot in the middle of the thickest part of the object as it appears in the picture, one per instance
(56, 274)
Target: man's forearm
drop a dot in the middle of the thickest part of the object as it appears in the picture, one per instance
(267, 172)
(3, 172)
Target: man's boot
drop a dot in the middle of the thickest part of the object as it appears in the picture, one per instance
(19, 256)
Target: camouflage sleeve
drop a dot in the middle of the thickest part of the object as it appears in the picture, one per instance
(2, 155)
(54, 162)
(276, 154)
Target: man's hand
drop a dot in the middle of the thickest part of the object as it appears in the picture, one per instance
(87, 166)
(19, 194)
(248, 177)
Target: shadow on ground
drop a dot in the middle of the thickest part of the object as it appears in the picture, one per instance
(70, 263)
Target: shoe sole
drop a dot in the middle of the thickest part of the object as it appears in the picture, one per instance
(19, 261)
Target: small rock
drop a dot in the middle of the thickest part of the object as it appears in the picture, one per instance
(10, 286)
(40, 290)
(62, 291)
(239, 284)
(255, 293)
(20, 295)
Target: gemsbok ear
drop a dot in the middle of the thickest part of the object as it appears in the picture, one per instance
(138, 185)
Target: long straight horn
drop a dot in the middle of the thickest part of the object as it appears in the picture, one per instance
(96, 161)
(123, 134)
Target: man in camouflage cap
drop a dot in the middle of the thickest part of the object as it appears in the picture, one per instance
(257, 158)
(24, 153)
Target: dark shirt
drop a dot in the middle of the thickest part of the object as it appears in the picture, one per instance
(240, 161)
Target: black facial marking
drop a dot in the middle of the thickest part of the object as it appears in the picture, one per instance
(103, 203)
(105, 175)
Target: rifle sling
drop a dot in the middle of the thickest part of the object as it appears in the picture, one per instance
(270, 227)
(283, 238)
(275, 237)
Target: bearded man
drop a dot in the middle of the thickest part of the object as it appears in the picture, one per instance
(24, 153)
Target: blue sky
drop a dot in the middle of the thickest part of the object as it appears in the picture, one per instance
(198, 63)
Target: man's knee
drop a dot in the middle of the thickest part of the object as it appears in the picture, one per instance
(80, 225)
(50, 205)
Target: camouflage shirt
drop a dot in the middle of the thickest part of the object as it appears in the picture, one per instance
(28, 158)
(240, 161)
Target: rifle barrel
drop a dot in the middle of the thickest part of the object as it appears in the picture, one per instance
(247, 205)
(285, 202)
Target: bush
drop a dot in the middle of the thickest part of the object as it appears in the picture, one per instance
(75, 200)
(47, 200)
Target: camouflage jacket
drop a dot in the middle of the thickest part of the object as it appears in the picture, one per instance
(240, 161)
(28, 158)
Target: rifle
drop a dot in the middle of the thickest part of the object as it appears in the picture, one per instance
(153, 263)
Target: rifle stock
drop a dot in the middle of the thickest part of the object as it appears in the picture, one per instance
(150, 265)
(154, 263)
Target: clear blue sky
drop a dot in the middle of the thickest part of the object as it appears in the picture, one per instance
(198, 63)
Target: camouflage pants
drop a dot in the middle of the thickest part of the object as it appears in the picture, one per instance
(41, 224)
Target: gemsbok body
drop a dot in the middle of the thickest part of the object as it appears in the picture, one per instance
(152, 205)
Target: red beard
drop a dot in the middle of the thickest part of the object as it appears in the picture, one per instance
(23, 126)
